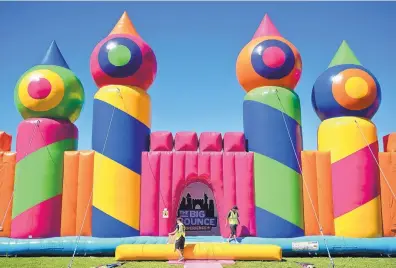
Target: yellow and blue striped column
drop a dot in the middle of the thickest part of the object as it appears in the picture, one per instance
(124, 67)
(345, 97)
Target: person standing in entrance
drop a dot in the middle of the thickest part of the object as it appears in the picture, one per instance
(233, 221)
(180, 238)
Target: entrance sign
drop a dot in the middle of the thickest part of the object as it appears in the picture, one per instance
(198, 211)
(197, 220)
(165, 213)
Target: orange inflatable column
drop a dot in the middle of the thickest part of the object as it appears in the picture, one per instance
(325, 192)
(69, 197)
(308, 160)
(7, 176)
(84, 191)
(388, 203)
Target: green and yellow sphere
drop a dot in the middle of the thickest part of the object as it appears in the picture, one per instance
(50, 90)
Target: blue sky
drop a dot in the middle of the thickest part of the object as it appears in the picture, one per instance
(196, 44)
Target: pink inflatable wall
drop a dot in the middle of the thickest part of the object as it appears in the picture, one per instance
(172, 164)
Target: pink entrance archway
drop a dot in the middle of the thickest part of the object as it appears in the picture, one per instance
(165, 174)
(217, 194)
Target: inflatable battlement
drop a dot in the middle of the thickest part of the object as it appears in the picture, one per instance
(5, 141)
(174, 163)
(189, 141)
(389, 142)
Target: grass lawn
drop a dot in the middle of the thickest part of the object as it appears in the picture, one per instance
(87, 262)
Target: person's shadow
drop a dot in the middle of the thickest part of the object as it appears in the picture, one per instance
(244, 231)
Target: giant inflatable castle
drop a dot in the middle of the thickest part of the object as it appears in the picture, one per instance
(123, 196)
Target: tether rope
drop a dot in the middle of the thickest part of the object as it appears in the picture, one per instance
(15, 179)
(9, 201)
(304, 182)
(376, 161)
(91, 195)
(148, 156)
(90, 198)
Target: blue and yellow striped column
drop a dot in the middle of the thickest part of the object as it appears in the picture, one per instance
(123, 66)
(268, 68)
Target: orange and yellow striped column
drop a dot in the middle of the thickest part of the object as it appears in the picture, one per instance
(345, 97)
(123, 67)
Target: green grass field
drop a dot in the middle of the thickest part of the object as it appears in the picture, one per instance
(88, 262)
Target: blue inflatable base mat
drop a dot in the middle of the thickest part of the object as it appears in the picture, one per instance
(304, 246)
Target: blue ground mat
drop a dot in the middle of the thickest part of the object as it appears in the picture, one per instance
(298, 246)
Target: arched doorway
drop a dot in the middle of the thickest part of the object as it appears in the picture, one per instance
(197, 208)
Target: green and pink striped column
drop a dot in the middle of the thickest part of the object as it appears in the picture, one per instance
(41, 144)
(50, 98)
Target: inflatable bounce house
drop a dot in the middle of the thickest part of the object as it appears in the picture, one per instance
(122, 198)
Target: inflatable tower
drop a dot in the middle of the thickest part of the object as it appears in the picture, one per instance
(345, 97)
(123, 67)
(50, 98)
(269, 68)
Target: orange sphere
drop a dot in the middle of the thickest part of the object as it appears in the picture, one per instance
(268, 61)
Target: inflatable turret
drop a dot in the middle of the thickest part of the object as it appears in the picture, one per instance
(50, 98)
(345, 97)
(269, 68)
(123, 67)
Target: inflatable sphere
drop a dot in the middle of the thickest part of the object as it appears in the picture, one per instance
(49, 91)
(346, 90)
(268, 61)
(123, 59)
